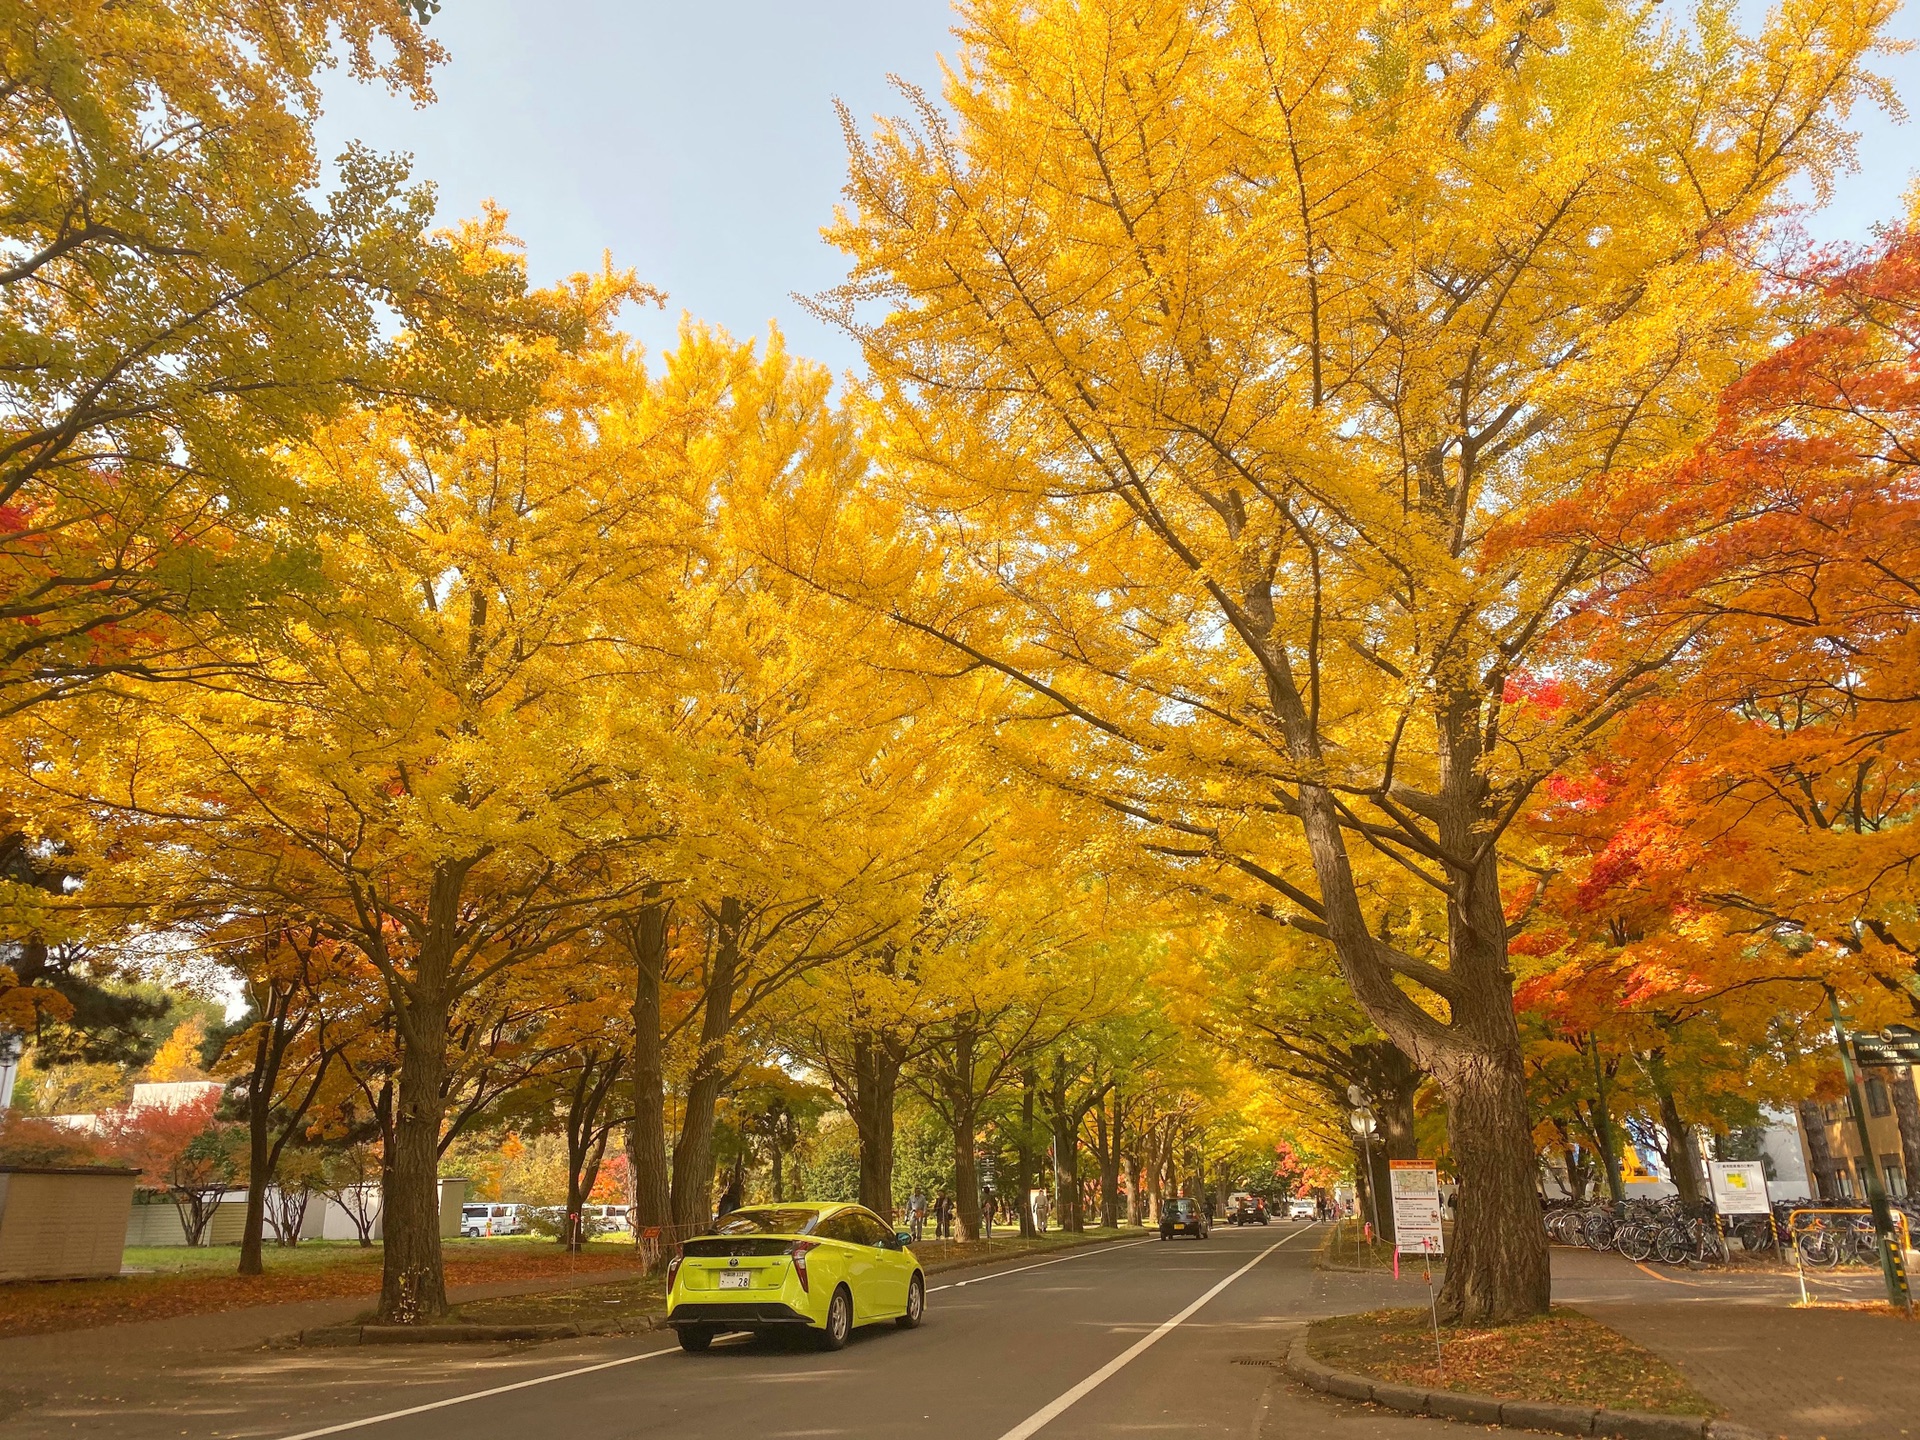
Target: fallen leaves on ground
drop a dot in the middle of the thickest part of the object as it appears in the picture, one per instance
(1562, 1358)
(39, 1308)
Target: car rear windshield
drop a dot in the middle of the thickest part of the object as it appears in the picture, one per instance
(770, 1221)
(1183, 1207)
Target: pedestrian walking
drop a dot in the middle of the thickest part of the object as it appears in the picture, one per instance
(986, 1211)
(917, 1214)
(943, 1217)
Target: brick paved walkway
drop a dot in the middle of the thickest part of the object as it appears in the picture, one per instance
(1819, 1374)
(1803, 1374)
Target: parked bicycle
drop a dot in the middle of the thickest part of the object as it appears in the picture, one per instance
(1641, 1230)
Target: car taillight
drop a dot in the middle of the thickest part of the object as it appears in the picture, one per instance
(673, 1269)
(799, 1254)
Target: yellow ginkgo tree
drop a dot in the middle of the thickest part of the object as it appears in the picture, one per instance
(1219, 348)
(416, 761)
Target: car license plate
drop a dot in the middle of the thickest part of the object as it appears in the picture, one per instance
(735, 1280)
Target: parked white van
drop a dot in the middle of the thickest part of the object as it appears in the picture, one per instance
(610, 1217)
(481, 1220)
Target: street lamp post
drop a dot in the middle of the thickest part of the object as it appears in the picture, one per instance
(1364, 1125)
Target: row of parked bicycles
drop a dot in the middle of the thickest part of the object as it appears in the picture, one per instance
(1675, 1233)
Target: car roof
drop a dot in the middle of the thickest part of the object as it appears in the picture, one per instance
(823, 1206)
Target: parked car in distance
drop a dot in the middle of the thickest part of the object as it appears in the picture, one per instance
(610, 1217)
(1183, 1217)
(479, 1221)
(1249, 1210)
(821, 1267)
(1302, 1208)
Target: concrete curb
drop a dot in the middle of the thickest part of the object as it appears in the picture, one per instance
(469, 1334)
(1509, 1414)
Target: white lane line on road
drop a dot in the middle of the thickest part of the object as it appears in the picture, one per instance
(475, 1395)
(1046, 1415)
(1041, 1265)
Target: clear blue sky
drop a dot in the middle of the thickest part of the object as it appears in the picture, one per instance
(696, 140)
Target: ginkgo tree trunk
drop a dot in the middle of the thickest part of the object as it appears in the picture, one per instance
(1220, 352)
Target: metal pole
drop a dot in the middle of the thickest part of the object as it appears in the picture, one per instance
(1433, 1305)
(1799, 1264)
(1893, 1263)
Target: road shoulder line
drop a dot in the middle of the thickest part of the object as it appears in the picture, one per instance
(474, 1395)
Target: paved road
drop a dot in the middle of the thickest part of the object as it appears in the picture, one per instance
(1140, 1338)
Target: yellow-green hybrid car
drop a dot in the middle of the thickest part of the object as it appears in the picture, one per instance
(803, 1265)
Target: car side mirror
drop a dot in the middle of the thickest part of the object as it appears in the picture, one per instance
(901, 1239)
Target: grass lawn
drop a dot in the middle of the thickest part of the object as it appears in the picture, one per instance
(331, 1254)
(179, 1280)
(1563, 1358)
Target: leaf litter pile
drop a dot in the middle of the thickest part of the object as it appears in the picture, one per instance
(1562, 1358)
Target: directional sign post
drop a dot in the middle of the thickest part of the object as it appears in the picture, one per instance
(1896, 1045)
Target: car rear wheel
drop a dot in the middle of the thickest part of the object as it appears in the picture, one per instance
(695, 1339)
(839, 1321)
(916, 1304)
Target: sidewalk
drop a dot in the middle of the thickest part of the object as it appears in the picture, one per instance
(1803, 1374)
(1741, 1338)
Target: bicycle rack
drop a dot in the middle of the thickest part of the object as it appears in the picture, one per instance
(1794, 1231)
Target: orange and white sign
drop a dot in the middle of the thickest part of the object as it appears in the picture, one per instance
(1416, 1208)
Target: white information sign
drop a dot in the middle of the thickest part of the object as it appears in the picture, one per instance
(1416, 1208)
(1739, 1187)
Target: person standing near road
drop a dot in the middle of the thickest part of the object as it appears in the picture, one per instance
(917, 1214)
(943, 1217)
